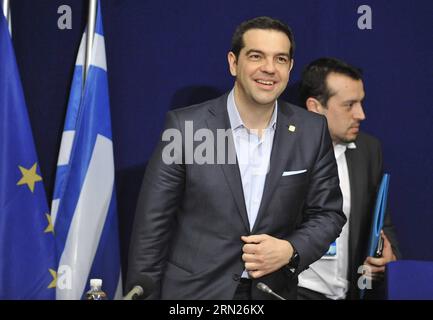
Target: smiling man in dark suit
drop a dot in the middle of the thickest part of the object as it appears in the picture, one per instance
(250, 191)
(335, 89)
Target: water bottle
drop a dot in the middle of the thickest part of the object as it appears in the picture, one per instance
(95, 292)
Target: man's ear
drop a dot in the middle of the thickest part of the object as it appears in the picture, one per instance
(292, 63)
(231, 58)
(314, 105)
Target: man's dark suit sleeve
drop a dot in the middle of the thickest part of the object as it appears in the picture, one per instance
(389, 230)
(158, 201)
(388, 226)
(323, 218)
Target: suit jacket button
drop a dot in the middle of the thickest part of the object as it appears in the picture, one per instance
(236, 277)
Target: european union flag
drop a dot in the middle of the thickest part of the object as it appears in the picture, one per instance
(27, 253)
(84, 202)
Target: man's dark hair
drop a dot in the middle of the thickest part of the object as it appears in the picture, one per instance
(264, 23)
(313, 82)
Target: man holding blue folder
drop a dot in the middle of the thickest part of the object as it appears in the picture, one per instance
(335, 89)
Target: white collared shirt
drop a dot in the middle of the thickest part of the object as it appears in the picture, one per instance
(253, 154)
(329, 274)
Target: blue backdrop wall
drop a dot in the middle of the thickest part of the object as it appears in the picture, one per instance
(167, 54)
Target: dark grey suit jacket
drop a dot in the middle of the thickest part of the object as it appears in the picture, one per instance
(365, 168)
(190, 218)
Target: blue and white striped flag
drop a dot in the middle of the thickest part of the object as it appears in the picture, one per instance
(84, 201)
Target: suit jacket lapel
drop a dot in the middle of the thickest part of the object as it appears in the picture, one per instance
(281, 148)
(355, 216)
(219, 120)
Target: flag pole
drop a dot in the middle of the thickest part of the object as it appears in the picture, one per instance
(90, 35)
(6, 11)
(7, 14)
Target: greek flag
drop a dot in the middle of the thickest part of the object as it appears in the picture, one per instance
(27, 253)
(84, 201)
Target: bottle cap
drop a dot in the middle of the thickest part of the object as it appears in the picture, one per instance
(96, 282)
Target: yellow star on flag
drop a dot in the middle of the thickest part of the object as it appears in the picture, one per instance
(50, 227)
(30, 177)
(54, 275)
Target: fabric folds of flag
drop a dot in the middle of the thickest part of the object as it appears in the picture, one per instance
(27, 252)
(84, 201)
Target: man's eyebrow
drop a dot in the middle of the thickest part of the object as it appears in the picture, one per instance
(254, 51)
(352, 101)
(262, 53)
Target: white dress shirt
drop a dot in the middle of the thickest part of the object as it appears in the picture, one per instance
(328, 275)
(253, 154)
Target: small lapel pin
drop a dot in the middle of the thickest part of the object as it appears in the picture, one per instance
(292, 128)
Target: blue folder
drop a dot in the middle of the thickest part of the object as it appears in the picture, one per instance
(379, 215)
(378, 218)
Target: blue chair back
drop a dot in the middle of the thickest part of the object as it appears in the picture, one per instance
(410, 280)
